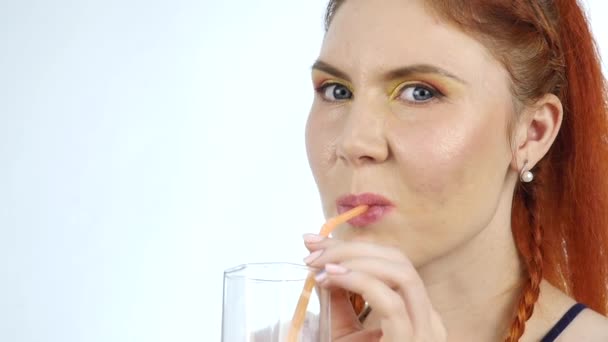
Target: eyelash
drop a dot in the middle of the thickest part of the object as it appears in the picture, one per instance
(437, 95)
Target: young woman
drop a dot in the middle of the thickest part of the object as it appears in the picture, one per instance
(477, 132)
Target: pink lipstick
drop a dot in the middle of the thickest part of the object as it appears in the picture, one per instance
(378, 207)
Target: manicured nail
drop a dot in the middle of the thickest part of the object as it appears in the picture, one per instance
(321, 276)
(335, 269)
(312, 238)
(313, 256)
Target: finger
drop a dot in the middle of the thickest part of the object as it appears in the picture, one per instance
(336, 251)
(367, 335)
(402, 279)
(385, 263)
(314, 241)
(384, 300)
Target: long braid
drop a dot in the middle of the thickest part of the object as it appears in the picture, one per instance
(534, 263)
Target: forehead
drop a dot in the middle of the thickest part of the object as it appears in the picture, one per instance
(367, 37)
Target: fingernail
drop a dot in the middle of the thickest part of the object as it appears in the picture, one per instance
(313, 256)
(312, 238)
(321, 276)
(335, 269)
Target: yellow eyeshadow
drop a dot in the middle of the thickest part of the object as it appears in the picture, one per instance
(394, 87)
(442, 84)
(335, 81)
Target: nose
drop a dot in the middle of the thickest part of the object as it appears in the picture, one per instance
(363, 139)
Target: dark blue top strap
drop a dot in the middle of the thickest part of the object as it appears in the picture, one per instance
(561, 325)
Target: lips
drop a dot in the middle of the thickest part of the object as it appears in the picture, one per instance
(379, 206)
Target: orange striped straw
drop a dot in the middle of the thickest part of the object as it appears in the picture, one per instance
(300, 313)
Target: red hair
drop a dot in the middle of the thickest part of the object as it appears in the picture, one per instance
(560, 220)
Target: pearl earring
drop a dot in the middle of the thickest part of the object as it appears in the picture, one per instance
(525, 175)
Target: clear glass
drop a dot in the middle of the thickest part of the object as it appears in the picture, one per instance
(260, 301)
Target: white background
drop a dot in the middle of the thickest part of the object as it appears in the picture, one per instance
(145, 146)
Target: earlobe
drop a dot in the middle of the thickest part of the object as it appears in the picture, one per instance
(525, 175)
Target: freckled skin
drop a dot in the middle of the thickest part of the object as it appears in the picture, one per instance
(444, 163)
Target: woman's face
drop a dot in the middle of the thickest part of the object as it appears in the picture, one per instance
(414, 110)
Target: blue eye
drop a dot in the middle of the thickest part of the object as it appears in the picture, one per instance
(334, 92)
(417, 93)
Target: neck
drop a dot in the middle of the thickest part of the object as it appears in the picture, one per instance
(476, 287)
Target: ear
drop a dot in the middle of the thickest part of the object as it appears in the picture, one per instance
(536, 131)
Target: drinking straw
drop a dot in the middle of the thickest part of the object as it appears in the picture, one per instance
(300, 312)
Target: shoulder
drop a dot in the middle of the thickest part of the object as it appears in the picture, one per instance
(588, 326)
(553, 304)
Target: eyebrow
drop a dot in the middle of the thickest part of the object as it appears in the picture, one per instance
(391, 75)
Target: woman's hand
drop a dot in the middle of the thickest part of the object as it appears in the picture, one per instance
(389, 283)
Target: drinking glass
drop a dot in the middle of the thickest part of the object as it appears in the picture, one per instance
(260, 300)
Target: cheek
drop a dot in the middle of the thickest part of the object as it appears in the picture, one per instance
(441, 158)
(320, 144)
(320, 141)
